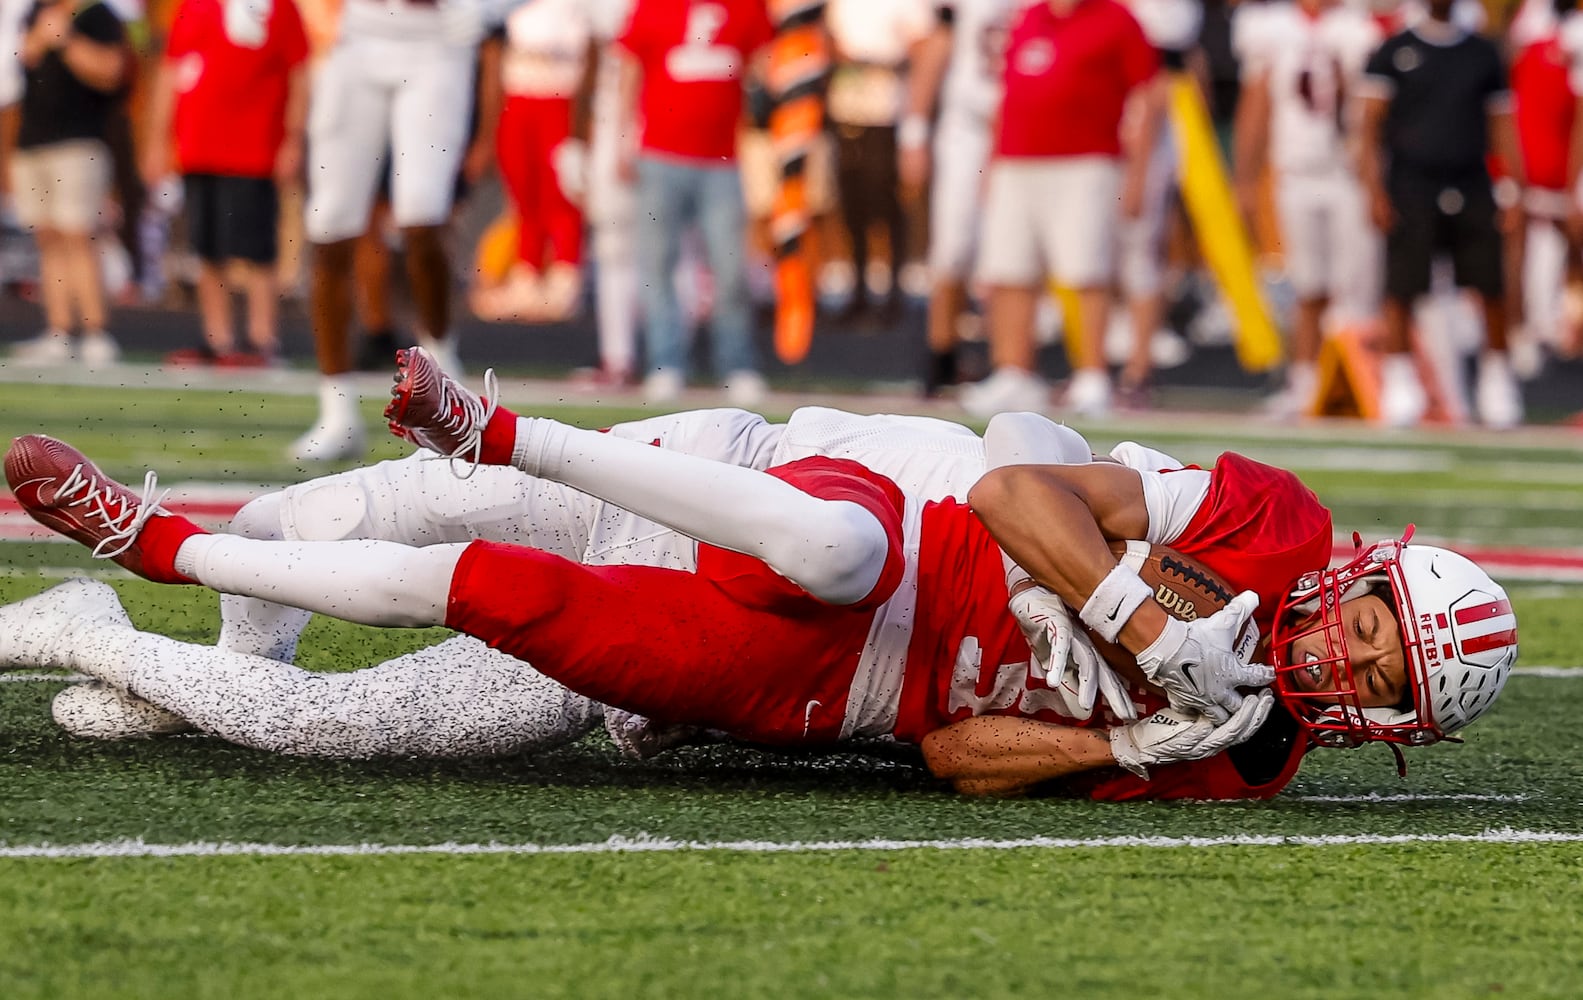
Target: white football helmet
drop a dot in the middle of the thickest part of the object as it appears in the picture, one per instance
(1459, 639)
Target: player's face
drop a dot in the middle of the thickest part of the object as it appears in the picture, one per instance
(1373, 646)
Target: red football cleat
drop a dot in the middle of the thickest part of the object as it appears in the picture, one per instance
(434, 411)
(61, 489)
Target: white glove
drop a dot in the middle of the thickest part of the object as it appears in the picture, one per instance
(462, 22)
(1169, 736)
(1200, 664)
(570, 162)
(639, 737)
(1065, 658)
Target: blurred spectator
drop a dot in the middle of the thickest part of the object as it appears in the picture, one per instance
(1057, 196)
(541, 139)
(1292, 120)
(75, 60)
(1436, 104)
(954, 76)
(1547, 49)
(1172, 27)
(233, 92)
(686, 62)
(400, 78)
(872, 39)
(612, 203)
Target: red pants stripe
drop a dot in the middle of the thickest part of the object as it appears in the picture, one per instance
(550, 227)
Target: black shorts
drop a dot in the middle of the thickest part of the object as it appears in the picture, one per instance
(232, 218)
(1434, 217)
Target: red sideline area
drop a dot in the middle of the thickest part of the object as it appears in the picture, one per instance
(215, 507)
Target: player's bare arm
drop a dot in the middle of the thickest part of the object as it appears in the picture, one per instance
(1056, 522)
(1000, 755)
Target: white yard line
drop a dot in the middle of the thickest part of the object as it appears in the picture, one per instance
(644, 844)
(1375, 798)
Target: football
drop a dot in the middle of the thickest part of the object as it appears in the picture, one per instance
(1183, 586)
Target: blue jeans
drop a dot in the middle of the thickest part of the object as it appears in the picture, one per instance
(672, 194)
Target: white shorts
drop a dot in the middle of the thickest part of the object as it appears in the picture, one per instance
(412, 98)
(1325, 234)
(927, 457)
(956, 197)
(1051, 218)
(62, 185)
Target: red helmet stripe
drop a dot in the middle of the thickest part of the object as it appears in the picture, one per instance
(1467, 616)
(1485, 643)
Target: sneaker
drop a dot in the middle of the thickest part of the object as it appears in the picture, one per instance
(432, 410)
(746, 389)
(1006, 390)
(1496, 396)
(191, 357)
(663, 385)
(98, 350)
(329, 441)
(1403, 401)
(97, 711)
(45, 349)
(37, 633)
(1088, 393)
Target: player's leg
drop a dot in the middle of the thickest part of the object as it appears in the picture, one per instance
(722, 219)
(1078, 229)
(429, 132)
(961, 148)
(665, 192)
(455, 699)
(348, 133)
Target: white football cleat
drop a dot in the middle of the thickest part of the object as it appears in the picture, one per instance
(1088, 393)
(329, 441)
(96, 711)
(1403, 401)
(1006, 390)
(39, 632)
(1497, 396)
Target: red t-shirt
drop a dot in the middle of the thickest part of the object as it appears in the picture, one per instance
(694, 54)
(1544, 110)
(230, 97)
(1067, 78)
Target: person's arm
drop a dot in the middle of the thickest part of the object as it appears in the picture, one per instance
(100, 65)
(1153, 95)
(926, 67)
(45, 34)
(289, 158)
(1251, 140)
(1000, 755)
(1371, 161)
(480, 154)
(155, 159)
(1092, 504)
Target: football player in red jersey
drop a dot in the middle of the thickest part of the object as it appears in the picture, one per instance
(810, 619)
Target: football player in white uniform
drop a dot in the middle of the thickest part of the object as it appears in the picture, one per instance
(400, 78)
(958, 68)
(1300, 62)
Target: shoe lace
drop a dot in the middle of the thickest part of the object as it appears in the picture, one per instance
(112, 509)
(466, 416)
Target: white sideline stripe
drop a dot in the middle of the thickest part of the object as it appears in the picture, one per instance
(1550, 673)
(643, 844)
(1373, 798)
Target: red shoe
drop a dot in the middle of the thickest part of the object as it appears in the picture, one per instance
(434, 411)
(59, 488)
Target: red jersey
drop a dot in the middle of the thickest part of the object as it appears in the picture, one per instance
(694, 54)
(231, 85)
(1067, 78)
(1544, 111)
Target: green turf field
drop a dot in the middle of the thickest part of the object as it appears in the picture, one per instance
(718, 872)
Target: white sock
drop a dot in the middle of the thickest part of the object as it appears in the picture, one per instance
(835, 550)
(456, 699)
(616, 291)
(253, 626)
(363, 581)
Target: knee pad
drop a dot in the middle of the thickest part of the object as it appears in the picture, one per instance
(326, 510)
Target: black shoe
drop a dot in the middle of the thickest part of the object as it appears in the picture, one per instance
(378, 352)
(941, 373)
